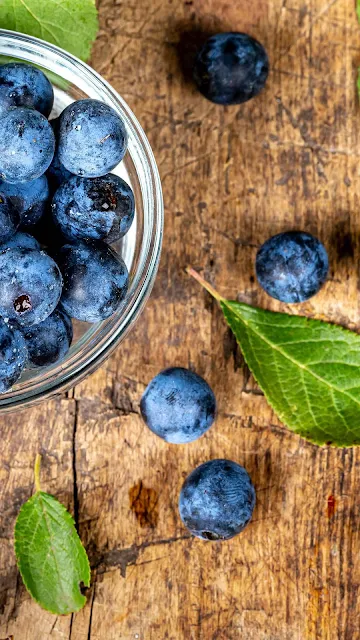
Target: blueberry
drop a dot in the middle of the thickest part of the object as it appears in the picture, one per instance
(27, 145)
(178, 405)
(9, 216)
(56, 173)
(30, 285)
(231, 68)
(217, 500)
(92, 138)
(95, 280)
(48, 341)
(29, 198)
(13, 356)
(22, 85)
(292, 266)
(20, 240)
(94, 208)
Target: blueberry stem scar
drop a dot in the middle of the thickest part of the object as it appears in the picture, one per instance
(37, 472)
(194, 274)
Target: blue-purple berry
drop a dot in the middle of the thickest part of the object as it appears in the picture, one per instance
(95, 280)
(94, 208)
(178, 405)
(9, 216)
(29, 198)
(20, 240)
(27, 145)
(231, 68)
(217, 500)
(92, 138)
(13, 355)
(49, 341)
(30, 285)
(292, 266)
(23, 85)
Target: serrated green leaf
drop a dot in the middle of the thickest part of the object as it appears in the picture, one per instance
(51, 558)
(308, 370)
(70, 24)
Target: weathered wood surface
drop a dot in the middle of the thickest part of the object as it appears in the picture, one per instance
(231, 178)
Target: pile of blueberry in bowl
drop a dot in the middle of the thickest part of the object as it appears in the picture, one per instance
(80, 220)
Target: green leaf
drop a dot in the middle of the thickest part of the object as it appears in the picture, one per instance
(308, 370)
(51, 558)
(70, 24)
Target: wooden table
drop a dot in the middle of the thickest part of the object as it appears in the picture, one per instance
(231, 178)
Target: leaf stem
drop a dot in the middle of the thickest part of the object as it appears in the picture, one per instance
(37, 472)
(194, 274)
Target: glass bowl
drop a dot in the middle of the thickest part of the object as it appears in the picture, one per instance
(140, 248)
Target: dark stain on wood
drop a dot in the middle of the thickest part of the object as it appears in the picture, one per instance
(331, 506)
(144, 504)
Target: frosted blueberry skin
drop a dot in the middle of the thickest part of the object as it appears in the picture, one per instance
(27, 145)
(231, 68)
(94, 208)
(13, 356)
(29, 198)
(22, 85)
(92, 138)
(30, 285)
(217, 500)
(56, 173)
(178, 405)
(48, 341)
(292, 266)
(95, 280)
(20, 240)
(9, 217)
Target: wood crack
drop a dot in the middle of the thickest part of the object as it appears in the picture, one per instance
(75, 486)
(123, 558)
(91, 610)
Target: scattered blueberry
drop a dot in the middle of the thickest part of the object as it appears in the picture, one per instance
(27, 145)
(30, 285)
(231, 68)
(13, 356)
(48, 341)
(217, 500)
(92, 138)
(178, 405)
(22, 85)
(94, 208)
(20, 240)
(292, 266)
(95, 280)
(9, 216)
(56, 173)
(29, 198)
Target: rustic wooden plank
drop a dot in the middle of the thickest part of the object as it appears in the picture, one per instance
(231, 178)
(47, 429)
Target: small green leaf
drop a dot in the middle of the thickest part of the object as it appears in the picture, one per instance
(70, 24)
(308, 370)
(51, 558)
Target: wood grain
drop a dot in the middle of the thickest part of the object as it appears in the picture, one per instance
(231, 177)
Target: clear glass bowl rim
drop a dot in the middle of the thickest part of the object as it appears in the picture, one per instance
(65, 65)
